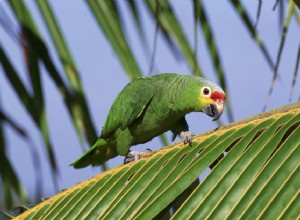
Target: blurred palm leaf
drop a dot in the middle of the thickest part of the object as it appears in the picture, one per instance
(162, 11)
(36, 108)
(295, 73)
(83, 121)
(107, 17)
(259, 177)
(279, 53)
(10, 181)
(240, 9)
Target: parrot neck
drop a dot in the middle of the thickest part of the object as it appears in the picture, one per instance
(188, 100)
(180, 95)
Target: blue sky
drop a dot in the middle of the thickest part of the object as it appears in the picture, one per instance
(247, 73)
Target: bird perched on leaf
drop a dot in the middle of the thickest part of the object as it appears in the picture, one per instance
(148, 107)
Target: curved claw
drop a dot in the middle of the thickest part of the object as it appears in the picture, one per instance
(186, 137)
(135, 155)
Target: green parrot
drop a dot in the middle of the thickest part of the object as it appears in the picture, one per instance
(148, 107)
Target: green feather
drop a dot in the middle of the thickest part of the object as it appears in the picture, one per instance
(129, 105)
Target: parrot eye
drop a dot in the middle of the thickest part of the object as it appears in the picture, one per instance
(206, 91)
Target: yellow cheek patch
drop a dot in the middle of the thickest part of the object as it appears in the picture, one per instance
(205, 100)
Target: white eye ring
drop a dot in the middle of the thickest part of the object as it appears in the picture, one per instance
(206, 91)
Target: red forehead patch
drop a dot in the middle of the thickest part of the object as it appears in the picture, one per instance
(217, 95)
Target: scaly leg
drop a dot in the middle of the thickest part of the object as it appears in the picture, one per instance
(186, 137)
(135, 155)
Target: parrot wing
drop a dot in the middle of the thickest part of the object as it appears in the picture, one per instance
(129, 105)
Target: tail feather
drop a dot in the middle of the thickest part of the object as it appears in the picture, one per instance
(98, 154)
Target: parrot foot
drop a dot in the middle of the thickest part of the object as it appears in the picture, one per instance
(186, 137)
(135, 155)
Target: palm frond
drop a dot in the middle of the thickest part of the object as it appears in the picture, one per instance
(259, 172)
(283, 35)
(240, 9)
(169, 23)
(106, 16)
(10, 181)
(83, 122)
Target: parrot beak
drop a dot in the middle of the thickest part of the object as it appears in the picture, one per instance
(215, 109)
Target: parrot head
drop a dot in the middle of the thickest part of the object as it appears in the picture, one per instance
(212, 98)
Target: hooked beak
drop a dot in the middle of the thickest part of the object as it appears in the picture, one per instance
(215, 110)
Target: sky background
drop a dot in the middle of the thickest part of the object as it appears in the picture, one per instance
(247, 73)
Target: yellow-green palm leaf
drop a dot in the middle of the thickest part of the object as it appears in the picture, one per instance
(258, 178)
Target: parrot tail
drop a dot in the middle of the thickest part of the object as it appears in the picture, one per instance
(98, 154)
